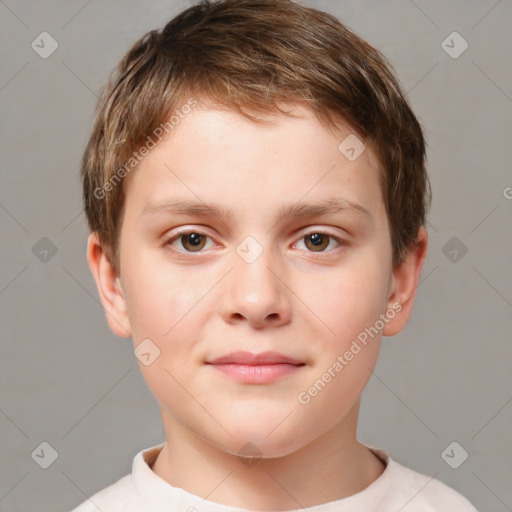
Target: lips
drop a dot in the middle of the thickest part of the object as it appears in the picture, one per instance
(262, 368)
(248, 358)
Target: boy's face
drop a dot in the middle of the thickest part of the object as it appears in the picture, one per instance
(251, 283)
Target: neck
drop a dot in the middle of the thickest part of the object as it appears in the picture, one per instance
(332, 467)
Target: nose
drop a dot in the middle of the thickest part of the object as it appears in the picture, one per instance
(256, 293)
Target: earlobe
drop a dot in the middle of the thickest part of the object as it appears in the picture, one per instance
(404, 282)
(109, 287)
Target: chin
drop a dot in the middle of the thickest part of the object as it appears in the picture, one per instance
(254, 441)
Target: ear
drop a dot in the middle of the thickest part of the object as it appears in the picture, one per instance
(109, 287)
(404, 281)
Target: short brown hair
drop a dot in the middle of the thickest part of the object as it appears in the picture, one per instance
(252, 55)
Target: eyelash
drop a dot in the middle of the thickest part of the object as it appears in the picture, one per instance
(342, 244)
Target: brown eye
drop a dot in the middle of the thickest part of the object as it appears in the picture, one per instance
(189, 242)
(317, 242)
(193, 242)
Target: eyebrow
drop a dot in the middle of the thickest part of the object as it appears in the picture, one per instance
(328, 206)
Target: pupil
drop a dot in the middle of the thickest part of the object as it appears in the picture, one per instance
(316, 239)
(195, 238)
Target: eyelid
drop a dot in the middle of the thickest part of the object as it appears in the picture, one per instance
(171, 238)
(342, 244)
(325, 230)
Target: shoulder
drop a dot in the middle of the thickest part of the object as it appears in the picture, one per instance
(417, 492)
(124, 495)
(118, 497)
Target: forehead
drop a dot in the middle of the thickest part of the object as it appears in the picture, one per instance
(216, 155)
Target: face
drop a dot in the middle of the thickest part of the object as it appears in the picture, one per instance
(258, 272)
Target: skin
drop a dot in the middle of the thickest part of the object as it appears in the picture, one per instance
(298, 299)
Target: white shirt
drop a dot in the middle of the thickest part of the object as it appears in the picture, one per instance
(397, 489)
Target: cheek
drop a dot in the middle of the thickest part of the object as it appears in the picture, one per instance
(168, 307)
(346, 354)
(158, 296)
(348, 301)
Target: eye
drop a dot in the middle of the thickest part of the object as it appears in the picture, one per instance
(195, 241)
(191, 241)
(317, 241)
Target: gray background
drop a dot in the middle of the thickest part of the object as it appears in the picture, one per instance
(67, 380)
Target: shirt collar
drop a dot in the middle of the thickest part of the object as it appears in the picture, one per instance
(161, 496)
